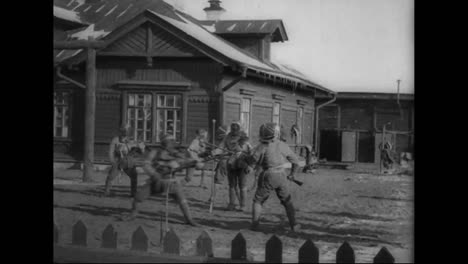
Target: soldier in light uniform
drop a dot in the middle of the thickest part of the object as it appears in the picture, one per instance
(160, 166)
(236, 142)
(122, 155)
(271, 156)
(221, 166)
(197, 150)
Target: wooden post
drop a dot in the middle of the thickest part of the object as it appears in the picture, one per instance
(383, 144)
(90, 107)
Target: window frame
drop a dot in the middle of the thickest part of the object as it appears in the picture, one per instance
(300, 124)
(70, 114)
(137, 107)
(154, 108)
(273, 113)
(249, 112)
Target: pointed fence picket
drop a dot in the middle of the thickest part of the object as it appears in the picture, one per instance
(171, 244)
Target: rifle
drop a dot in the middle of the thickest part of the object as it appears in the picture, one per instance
(296, 182)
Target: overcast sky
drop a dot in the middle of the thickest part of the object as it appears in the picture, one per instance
(345, 45)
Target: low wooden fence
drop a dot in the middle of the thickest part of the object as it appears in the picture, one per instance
(171, 244)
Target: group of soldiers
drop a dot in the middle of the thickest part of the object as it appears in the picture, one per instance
(236, 159)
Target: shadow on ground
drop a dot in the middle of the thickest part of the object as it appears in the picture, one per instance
(385, 198)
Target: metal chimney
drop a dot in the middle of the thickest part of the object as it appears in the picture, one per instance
(214, 11)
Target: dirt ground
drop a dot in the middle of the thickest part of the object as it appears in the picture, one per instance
(367, 210)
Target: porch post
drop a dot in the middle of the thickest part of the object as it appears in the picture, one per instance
(90, 107)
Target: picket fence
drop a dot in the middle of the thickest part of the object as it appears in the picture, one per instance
(171, 243)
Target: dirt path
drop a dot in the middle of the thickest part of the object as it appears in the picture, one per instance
(333, 206)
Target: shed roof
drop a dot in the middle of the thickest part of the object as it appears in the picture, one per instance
(107, 15)
(245, 27)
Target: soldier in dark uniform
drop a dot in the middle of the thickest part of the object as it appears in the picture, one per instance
(271, 156)
(122, 155)
(236, 142)
(160, 166)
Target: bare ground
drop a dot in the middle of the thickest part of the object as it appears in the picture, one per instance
(333, 206)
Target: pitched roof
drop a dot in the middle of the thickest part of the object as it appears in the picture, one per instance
(271, 26)
(107, 15)
(372, 96)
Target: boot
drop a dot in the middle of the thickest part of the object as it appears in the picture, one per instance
(256, 213)
(291, 213)
(133, 185)
(107, 187)
(186, 212)
(243, 196)
(189, 174)
(133, 214)
(232, 199)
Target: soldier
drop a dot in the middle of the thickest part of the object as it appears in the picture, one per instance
(236, 142)
(386, 156)
(160, 166)
(270, 156)
(197, 150)
(122, 155)
(221, 166)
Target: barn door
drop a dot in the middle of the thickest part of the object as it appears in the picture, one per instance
(348, 146)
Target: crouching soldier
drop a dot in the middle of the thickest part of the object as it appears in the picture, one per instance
(236, 142)
(122, 155)
(160, 167)
(270, 156)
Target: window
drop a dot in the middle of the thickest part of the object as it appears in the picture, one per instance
(276, 113)
(139, 116)
(169, 115)
(61, 114)
(245, 115)
(146, 109)
(299, 123)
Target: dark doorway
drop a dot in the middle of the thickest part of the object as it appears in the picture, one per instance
(330, 145)
(366, 147)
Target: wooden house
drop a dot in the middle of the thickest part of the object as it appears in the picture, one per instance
(351, 128)
(163, 71)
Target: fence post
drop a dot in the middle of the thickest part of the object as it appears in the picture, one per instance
(384, 256)
(171, 242)
(109, 237)
(204, 245)
(79, 234)
(308, 253)
(345, 254)
(139, 240)
(56, 234)
(238, 248)
(274, 250)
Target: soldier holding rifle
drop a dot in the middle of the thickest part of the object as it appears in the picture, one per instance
(270, 156)
(197, 150)
(161, 166)
(236, 142)
(122, 155)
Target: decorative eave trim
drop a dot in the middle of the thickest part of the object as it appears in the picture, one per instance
(200, 99)
(278, 97)
(107, 95)
(62, 84)
(248, 92)
(153, 85)
(302, 102)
